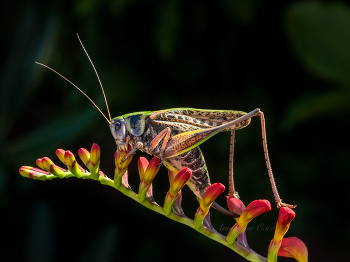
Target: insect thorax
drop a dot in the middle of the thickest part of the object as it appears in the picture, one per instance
(135, 122)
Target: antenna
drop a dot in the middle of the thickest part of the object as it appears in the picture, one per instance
(96, 75)
(76, 88)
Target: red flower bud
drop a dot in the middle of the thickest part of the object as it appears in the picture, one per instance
(33, 173)
(142, 166)
(152, 170)
(285, 217)
(46, 162)
(60, 154)
(39, 163)
(69, 158)
(95, 154)
(210, 195)
(179, 181)
(84, 155)
(235, 205)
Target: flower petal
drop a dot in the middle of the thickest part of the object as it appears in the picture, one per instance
(180, 180)
(60, 154)
(211, 194)
(95, 154)
(32, 172)
(142, 166)
(254, 209)
(235, 205)
(295, 248)
(84, 155)
(152, 170)
(285, 217)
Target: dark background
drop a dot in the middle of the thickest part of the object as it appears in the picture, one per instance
(289, 58)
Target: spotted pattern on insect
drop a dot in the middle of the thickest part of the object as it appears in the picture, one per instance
(200, 118)
(181, 126)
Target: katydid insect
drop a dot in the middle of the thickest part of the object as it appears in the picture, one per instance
(174, 136)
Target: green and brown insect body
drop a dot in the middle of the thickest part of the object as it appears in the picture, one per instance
(188, 128)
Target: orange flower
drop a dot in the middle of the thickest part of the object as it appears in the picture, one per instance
(176, 184)
(142, 166)
(179, 181)
(84, 156)
(33, 173)
(72, 164)
(147, 175)
(44, 163)
(295, 248)
(285, 217)
(95, 154)
(70, 159)
(254, 209)
(60, 154)
(235, 205)
(209, 197)
(152, 170)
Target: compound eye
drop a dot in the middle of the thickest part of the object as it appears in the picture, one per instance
(117, 125)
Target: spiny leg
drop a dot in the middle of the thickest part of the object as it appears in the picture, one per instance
(164, 133)
(184, 142)
(268, 164)
(132, 151)
(154, 143)
(232, 191)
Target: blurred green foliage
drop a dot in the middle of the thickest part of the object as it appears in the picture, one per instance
(289, 58)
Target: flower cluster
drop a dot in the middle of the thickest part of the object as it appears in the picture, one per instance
(236, 239)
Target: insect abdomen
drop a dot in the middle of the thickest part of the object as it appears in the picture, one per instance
(194, 160)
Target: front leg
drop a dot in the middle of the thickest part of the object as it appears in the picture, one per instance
(138, 146)
(154, 143)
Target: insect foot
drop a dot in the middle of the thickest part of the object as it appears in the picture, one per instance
(281, 204)
(235, 236)
(131, 152)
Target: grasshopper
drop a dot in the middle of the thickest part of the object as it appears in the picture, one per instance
(174, 136)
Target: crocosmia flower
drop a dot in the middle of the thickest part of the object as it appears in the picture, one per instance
(285, 217)
(293, 247)
(254, 209)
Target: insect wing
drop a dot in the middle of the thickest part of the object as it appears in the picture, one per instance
(198, 118)
(184, 142)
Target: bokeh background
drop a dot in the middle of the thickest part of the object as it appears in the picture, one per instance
(289, 58)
